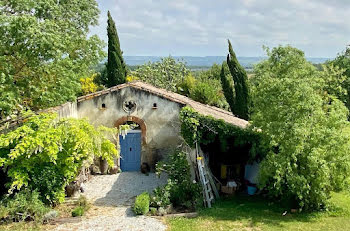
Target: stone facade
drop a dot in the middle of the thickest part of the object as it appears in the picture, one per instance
(157, 117)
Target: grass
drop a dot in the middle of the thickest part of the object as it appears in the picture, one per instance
(254, 213)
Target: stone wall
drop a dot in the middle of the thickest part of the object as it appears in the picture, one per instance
(159, 115)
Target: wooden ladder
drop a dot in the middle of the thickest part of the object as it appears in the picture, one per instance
(208, 184)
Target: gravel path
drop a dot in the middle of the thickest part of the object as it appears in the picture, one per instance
(112, 197)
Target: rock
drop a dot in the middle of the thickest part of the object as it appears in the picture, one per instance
(72, 188)
(50, 216)
(169, 209)
(161, 211)
(94, 169)
(113, 170)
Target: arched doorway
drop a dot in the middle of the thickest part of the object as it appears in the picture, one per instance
(130, 144)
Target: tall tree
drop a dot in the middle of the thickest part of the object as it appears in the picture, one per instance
(241, 103)
(116, 70)
(227, 87)
(45, 50)
(306, 126)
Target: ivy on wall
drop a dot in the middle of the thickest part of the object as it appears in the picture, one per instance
(206, 129)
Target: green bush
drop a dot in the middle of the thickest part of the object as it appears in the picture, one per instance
(24, 205)
(161, 197)
(3, 212)
(141, 206)
(78, 211)
(82, 206)
(83, 202)
(47, 153)
(186, 85)
(205, 93)
(153, 211)
(182, 191)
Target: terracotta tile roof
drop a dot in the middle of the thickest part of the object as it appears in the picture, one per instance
(199, 107)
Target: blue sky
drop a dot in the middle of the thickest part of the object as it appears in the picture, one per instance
(201, 27)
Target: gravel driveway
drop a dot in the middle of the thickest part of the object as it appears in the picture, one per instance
(112, 197)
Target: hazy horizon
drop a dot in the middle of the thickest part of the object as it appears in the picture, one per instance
(202, 27)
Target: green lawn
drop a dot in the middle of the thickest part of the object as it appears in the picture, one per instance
(253, 213)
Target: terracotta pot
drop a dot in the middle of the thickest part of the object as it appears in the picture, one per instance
(103, 166)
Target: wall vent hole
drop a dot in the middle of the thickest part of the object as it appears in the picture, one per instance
(103, 105)
(154, 105)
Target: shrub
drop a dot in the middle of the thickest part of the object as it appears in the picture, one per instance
(205, 93)
(186, 85)
(161, 197)
(24, 205)
(3, 212)
(83, 202)
(141, 206)
(47, 153)
(82, 206)
(88, 85)
(78, 212)
(183, 192)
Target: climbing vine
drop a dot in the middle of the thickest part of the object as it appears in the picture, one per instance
(46, 153)
(206, 129)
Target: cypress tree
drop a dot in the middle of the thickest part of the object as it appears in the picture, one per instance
(240, 79)
(116, 70)
(227, 87)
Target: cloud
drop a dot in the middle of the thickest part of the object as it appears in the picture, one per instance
(201, 27)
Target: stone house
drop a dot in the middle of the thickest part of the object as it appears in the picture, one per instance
(154, 110)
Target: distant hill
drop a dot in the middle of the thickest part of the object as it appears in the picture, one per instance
(207, 61)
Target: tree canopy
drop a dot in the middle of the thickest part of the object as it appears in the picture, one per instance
(166, 73)
(307, 128)
(45, 50)
(342, 61)
(115, 67)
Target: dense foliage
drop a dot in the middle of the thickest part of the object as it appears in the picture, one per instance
(46, 153)
(342, 61)
(205, 87)
(115, 66)
(206, 130)
(179, 190)
(141, 206)
(166, 73)
(241, 99)
(89, 85)
(44, 51)
(227, 88)
(307, 128)
(24, 205)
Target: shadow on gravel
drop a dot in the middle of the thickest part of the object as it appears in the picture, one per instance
(126, 187)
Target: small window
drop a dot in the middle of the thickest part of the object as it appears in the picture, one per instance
(154, 106)
(103, 106)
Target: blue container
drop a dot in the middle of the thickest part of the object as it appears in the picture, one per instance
(251, 190)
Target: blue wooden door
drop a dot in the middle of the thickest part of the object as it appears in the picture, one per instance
(130, 152)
